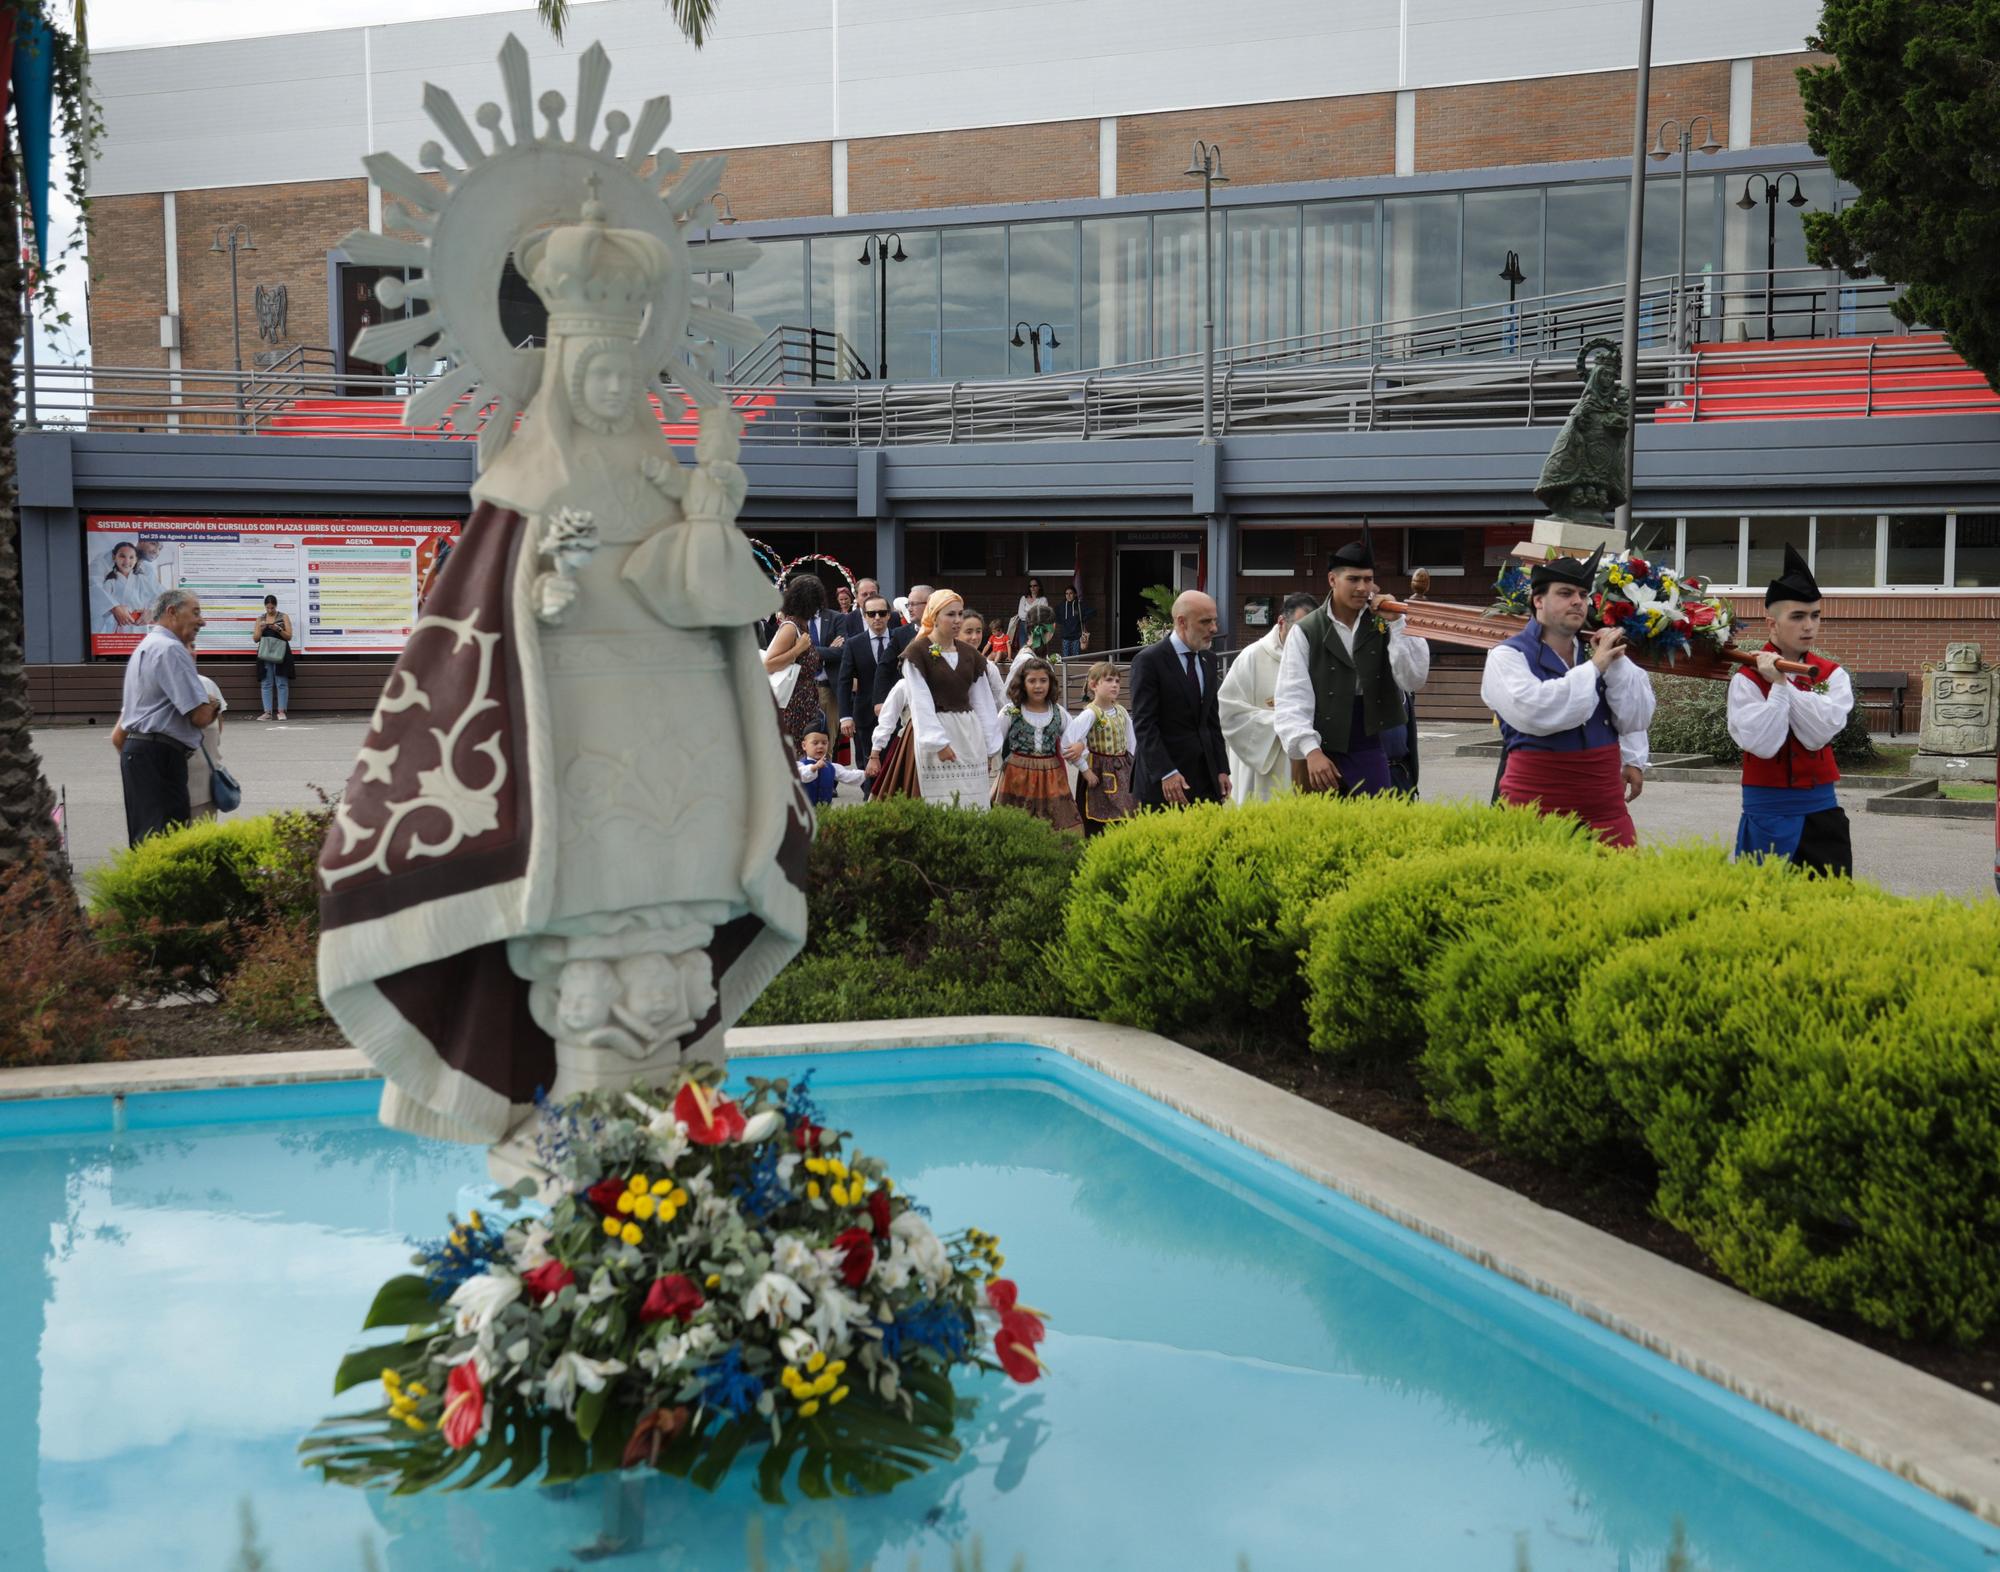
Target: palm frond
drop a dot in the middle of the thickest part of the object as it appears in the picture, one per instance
(692, 17)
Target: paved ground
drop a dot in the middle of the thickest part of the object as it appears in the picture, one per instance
(280, 765)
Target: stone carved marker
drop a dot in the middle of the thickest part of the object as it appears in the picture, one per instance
(572, 851)
(1961, 705)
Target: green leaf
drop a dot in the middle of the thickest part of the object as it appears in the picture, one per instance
(589, 1409)
(367, 1364)
(403, 1301)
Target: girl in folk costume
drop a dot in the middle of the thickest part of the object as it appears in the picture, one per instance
(972, 636)
(892, 759)
(951, 707)
(1032, 745)
(1573, 712)
(1104, 784)
(1785, 725)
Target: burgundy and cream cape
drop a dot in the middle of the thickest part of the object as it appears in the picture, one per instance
(445, 846)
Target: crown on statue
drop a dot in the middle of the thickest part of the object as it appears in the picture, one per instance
(593, 278)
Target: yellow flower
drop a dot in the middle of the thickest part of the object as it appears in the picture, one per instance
(417, 1389)
(636, 1184)
(817, 1362)
(627, 1201)
(474, 1218)
(837, 1368)
(612, 1226)
(630, 1233)
(644, 1207)
(837, 1167)
(808, 1409)
(826, 1383)
(414, 1422)
(839, 1395)
(817, 1165)
(391, 1380)
(679, 1197)
(812, 1189)
(713, 1280)
(663, 1187)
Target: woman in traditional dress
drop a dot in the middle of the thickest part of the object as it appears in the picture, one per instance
(951, 707)
(792, 645)
(1032, 729)
(1104, 729)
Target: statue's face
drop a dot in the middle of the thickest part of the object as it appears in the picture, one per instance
(607, 384)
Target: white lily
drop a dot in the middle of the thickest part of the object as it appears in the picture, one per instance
(932, 1264)
(533, 1249)
(573, 1373)
(775, 1298)
(479, 1300)
(762, 1127)
(797, 1346)
(832, 1310)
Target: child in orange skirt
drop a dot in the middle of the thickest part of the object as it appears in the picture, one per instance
(1103, 729)
(1032, 773)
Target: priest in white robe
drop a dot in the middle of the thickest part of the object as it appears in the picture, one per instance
(1259, 768)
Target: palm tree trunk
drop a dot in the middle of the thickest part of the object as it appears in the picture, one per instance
(27, 806)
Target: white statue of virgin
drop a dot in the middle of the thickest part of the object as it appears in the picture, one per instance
(573, 848)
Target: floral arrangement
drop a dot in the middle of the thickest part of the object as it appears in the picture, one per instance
(717, 1276)
(1665, 615)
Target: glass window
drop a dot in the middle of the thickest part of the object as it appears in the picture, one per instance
(773, 292)
(1498, 223)
(1115, 282)
(1768, 540)
(1420, 268)
(1587, 237)
(1977, 562)
(1263, 275)
(913, 308)
(1338, 258)
(961, 553)
(1662, 249)
(975, 303)
(1440, 550)
(1844, 553)
(1177, 284)
(843, 294)
(1797, 308)
(1272, 553)
(1654, 538)
(1916, 548)
(1041, 289)
(1711, 549)
(1049, 553)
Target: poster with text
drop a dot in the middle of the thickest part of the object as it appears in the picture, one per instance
(349, 586)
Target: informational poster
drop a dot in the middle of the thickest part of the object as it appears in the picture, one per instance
(350, 586)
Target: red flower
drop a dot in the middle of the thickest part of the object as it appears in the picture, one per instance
(1014, 1346)
(1701, 616)
(806, 1136)
(671, 1296)
(878, 1212)
(604, 1195)
(1616, 611)
(710, 1120)
(1683, 625)
(857, 1252)
(1001, 1294)
(1640, 569)
(547, 1280)
(465, 1407)
(1024, 1326)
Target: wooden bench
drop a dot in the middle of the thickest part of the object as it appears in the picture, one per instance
(91, 692)
(1894, 683)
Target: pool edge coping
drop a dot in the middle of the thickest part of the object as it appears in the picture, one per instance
(1944, 1440)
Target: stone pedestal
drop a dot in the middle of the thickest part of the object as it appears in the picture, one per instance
(1961, 717)
(1567, 538)
(1955, 767)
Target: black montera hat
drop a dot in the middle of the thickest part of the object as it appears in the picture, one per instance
(1565, 570)
(1795, 583)
(1357, 553)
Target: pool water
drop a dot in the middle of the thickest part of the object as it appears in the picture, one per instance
(1244, 1365)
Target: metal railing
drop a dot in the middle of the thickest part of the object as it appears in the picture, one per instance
(1714, 382)
(799, 354)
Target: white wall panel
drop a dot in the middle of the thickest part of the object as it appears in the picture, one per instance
(294, 107)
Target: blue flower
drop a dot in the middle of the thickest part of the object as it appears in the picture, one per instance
(940, 1328)
(466, 1252)
(761, 1191)
(730, 1387)
(800, 1105)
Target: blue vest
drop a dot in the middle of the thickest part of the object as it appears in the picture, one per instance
(1547, 666)
(820, 789)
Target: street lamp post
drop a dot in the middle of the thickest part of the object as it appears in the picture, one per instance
(233, 238)
(1206, 166)
(1635, 236)
(1036, 334)
(1684, 138)
(1512, 276)
(1773, 189)
(875, 249)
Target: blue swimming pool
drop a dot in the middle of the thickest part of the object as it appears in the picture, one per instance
(1244, 1365)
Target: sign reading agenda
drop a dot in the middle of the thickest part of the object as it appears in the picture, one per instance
(350, 586)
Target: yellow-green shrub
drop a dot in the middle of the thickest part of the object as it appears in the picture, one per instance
(179, 902)
(1368, 945)
(1502, 1055)
(1196, 919)
(1822, 1096)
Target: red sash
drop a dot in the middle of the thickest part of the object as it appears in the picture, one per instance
(1587, 784)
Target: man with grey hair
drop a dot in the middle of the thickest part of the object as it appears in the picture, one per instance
(1175, 719)
(164, 710)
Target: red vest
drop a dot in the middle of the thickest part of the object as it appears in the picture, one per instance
(1793, 765)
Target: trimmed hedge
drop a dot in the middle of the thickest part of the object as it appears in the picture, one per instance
(1822, 1097)
(1195, 920)
(1693, 717)
(178, 903)
(916, 910)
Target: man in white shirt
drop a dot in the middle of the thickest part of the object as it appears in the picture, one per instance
(1341, 681)
(1573, 712)
(164, 709)
(1259, 768)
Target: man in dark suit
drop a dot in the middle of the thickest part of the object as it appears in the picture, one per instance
(869, 666)
(1181, 758)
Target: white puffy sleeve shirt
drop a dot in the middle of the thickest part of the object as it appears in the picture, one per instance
(1292, 706)
(1513, 692)
(1760, 722)
(892, 712)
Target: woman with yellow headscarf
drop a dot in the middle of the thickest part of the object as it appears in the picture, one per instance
(951, 708)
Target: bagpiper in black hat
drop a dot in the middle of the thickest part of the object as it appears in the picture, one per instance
(1566, 570)
(1795, 583)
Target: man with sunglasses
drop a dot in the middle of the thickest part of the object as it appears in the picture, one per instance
(869, 666)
